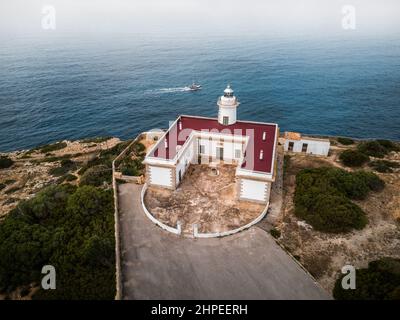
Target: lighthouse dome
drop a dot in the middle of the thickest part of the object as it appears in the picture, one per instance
(228, 92)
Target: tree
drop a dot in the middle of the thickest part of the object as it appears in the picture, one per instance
(353, 158)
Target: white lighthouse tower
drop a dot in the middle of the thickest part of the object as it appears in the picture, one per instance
(227, 107)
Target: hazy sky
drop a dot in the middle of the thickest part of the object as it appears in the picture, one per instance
(219, 16)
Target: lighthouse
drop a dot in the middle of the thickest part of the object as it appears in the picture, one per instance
(227, 104)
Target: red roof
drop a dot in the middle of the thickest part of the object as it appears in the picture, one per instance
(252, 160)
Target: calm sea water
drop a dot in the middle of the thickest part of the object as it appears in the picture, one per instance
(58, 87)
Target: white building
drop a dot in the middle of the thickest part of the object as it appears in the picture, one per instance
(251, 146)
(294, 142)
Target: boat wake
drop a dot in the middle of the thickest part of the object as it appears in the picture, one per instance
(169, 90)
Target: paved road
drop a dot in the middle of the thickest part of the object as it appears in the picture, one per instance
(160, 265)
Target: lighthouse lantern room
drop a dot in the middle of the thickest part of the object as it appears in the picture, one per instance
(227, 104)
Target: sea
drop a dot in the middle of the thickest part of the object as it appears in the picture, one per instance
(71, 86)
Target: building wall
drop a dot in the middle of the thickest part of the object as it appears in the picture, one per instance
(229, 112)
(160, 176)
(254, 190)
(317, 147)
(210, 148)
(188, 157)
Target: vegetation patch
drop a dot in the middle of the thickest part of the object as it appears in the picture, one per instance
(323, 198)
(65, 167)
(345, 141)
(353, 158)
(377, 148)
(52, 147)
(380, 281)
(96, 176)
(132, 163)
(275, 233)
(384, 166)
(95, 140)
(5, 162)
(68, 227)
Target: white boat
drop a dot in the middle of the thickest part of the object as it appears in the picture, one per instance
(194, 87)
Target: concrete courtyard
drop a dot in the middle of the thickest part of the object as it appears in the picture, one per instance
(206, 197)
(160, 265)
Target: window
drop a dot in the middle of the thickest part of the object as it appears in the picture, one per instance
(291, 145)
(225, 121)
(264, 137)
(261, 155)
(238, 153)
(202, 149)
(166, 143)
(304, 147)
(220, 153)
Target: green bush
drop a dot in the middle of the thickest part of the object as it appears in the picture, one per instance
(373, 149)
(66, 166)
(95, 140)
(2, 186)
(345, 141)
(383, 166)
(96, 176)
(132, 167)
(380, 281)
(389, 145)
(322, 198)
(353, 158)
(275, 233)
(66, 227)
(5, 162)
(52, 147)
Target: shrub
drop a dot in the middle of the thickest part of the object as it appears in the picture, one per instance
(2, 186)
(275, 233)
(389, 145)
(353, 158)
(345, 141)
(96, 176)
(5, 162)
(383, 166)
(380, 281)
(95, 140)
(132, 167)
(52, 147)
(322, 197)
(373, 149)
(66, 166)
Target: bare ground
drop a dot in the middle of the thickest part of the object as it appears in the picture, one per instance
(323, 255)
(205, 199)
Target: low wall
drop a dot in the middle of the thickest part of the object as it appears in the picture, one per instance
(197, 234)
(118, 280)
(134, 179)
(176, 230)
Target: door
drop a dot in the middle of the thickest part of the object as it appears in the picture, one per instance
(304, 147)
(180, 176)
(220, 153)
(291, 145)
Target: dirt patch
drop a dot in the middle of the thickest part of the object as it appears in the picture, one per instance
(323, 254)
(203, 198)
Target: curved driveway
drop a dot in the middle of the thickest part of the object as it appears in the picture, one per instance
(159, 265)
